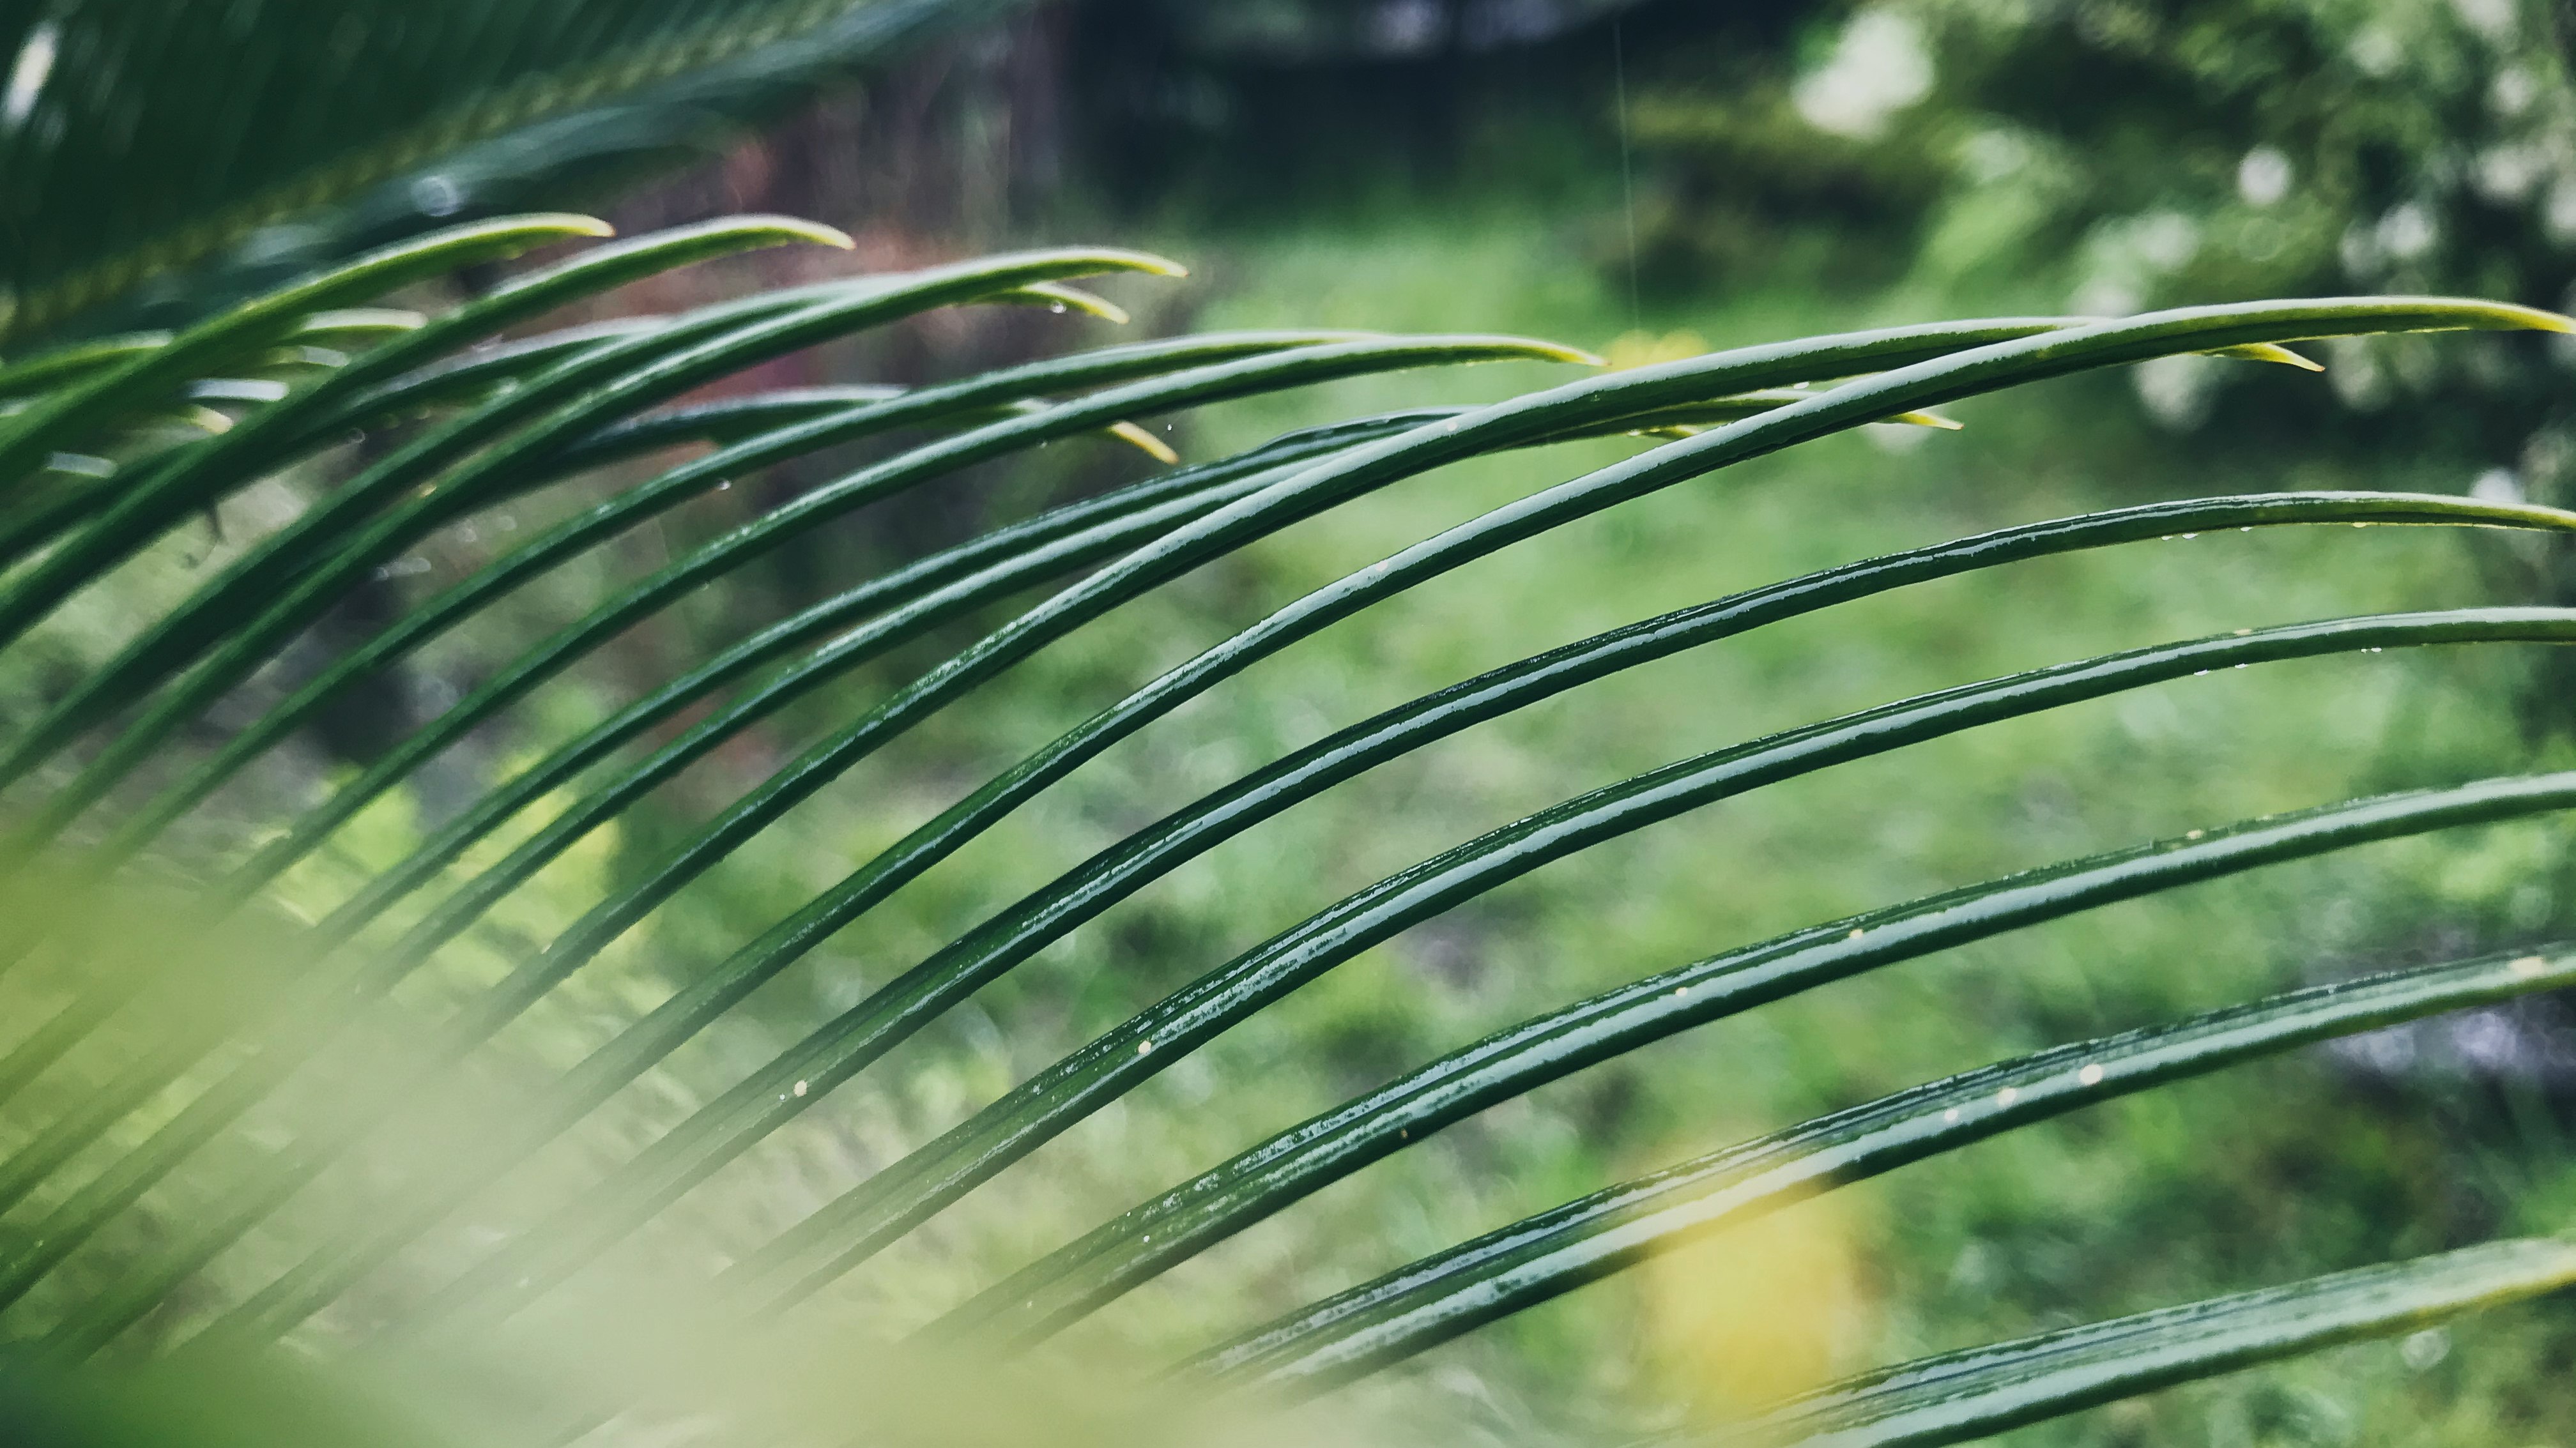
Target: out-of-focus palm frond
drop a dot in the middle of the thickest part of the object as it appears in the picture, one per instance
(149, 179)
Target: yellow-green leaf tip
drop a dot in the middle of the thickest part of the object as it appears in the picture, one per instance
(1090, 302)
(2534, 319)
(1559, 352)
(2269, 352)
(1152, 446)
(821, 235)
(572, 223)
(773, 227)
(1117, 258)
(1062, 298)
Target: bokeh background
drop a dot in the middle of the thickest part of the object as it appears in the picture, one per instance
(1650, 180)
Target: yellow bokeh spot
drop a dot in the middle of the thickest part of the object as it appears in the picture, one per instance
(1760, 1311)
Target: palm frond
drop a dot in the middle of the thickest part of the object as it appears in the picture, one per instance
(1475, 1282)
(330, 129)
(103, 777)
(1960, 1396)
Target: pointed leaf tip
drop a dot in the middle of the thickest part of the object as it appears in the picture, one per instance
(1145, 442)
(2270, 352)
(1120, 259)
(2535, 319)
(1060, 297)
(779, 228)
